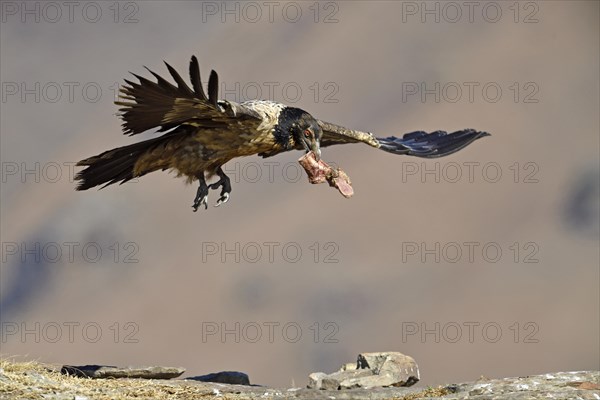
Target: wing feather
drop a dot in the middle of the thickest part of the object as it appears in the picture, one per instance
(213, 88)
(418, 144)
(162, 83)
(181, 85)
(195, 78)
(336, 134)
(148, 105)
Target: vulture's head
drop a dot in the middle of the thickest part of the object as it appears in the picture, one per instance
(302, 129)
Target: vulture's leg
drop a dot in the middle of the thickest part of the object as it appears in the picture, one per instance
(225, 183)
(201, 194)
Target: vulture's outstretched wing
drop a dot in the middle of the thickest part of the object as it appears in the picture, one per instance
(181, 111)
(147, 105)
(419, 144)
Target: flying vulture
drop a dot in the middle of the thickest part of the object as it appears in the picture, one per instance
(202, 133)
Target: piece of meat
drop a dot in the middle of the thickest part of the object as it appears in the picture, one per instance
(320, 171)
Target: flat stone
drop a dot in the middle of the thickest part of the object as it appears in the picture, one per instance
(108, 371)
(229, 377)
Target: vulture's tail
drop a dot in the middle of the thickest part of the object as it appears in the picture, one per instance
(118, 165)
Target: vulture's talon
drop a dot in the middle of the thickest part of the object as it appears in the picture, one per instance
(201, 202)
(223, 199)
(225, 183)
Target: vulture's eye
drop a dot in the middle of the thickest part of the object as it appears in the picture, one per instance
(307, 133)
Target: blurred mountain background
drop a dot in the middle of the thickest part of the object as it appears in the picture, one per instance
(482, 263)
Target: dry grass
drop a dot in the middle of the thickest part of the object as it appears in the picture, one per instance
(33, 380)
(427, 393)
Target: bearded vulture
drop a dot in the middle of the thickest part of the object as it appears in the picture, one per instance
(202, 133)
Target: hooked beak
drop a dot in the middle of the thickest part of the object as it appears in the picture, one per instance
(314, 146)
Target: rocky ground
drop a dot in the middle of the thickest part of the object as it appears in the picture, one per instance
(39, 381)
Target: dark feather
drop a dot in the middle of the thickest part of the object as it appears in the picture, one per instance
(181, 85)
(213, 88)
(162, 83)
(195, 78)
(113, 165)
(430, 145)
(147, 105)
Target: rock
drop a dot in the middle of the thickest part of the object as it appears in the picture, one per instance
(559, 385)
(315, 379)
(348, 367)
(107, 371)
(229, 377)
(371, 370)
(34, 380)
(397, 367)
